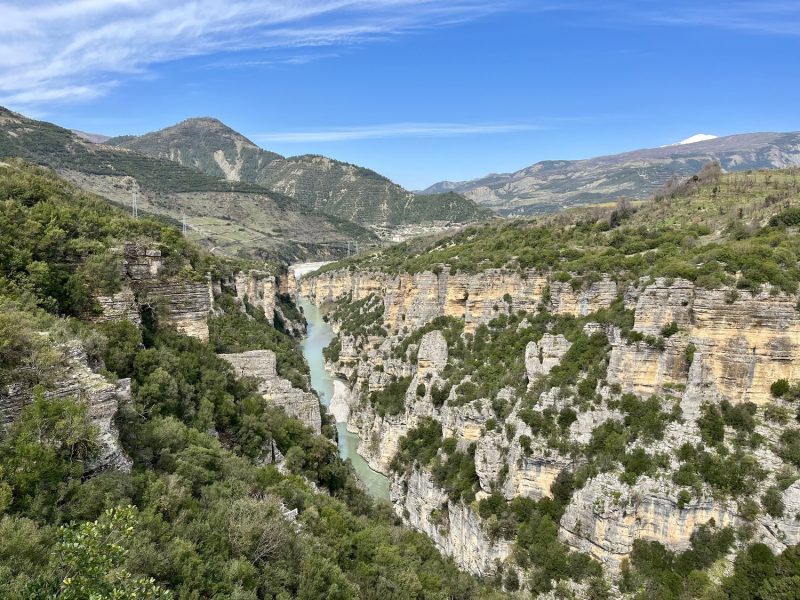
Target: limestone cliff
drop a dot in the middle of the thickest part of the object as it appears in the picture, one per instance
(742, 343)
(180, 301)
(176, 301)
(261, 365)
(453, 526)
(75, 379)
(411, 300)
(688, 346)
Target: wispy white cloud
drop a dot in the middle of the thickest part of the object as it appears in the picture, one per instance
(770, 17)
(60, 50)
(394, 130)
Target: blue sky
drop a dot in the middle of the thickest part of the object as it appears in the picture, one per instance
(419, 90)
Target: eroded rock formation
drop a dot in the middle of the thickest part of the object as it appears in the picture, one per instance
(261, 365)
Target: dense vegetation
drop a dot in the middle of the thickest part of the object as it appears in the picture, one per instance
(237, 331)
(202, 513)
(736, 231)
(61, 246)
(361, 318)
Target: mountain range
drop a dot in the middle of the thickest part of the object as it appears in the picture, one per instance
(330, 186)
(231, 217)
(551, 185)
(234, 196)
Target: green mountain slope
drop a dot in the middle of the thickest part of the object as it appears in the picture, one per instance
(330, 186)
(233, 217)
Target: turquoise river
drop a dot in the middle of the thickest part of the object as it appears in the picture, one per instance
(318, 337)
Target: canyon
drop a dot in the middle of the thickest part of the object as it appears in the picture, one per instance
(727, 347)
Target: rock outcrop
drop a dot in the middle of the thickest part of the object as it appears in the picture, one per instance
(453, 526)
(175, 301)
(411, 300)
(688, 346)
(542, 356)
(75, 379)
(261, 365)
(259, 289)
(606, 517)
(741, 343)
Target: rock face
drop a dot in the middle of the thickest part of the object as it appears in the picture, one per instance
(261, 365)
(542, 356)
(688, 346)
(454, 527)
(411, 300)
(102, 398)
(605, 518)
(176, 302)
(259, 289)
(432, 354)
(742, 342)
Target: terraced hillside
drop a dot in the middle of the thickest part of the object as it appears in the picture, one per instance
(330, 186)
(232, 217)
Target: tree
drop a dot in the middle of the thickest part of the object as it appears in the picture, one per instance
(91, 555)
(320, 579)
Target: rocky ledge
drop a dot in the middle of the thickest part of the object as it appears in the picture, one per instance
(261, 365)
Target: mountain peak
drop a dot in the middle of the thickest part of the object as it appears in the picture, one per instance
(699, 137)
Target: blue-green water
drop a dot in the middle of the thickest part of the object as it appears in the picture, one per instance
(320, 335)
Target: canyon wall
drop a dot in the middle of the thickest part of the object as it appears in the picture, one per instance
(411, 300)
(178, 301)
(261, 365)
(689, 346)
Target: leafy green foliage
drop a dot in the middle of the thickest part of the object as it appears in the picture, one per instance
(665, 574)
(656, 241)
(45, 453)
(91, 556)
(734, 474)
(419, 445)
(62, 246)
(391, 400)
(534, 526)
(360, 318)
(452, 470)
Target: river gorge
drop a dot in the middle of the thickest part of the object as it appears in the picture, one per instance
(319, 335)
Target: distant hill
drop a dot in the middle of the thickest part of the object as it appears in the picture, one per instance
(232, 217)
(552, 185)
(330, 186)
(95, 138)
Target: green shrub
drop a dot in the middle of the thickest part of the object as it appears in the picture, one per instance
(779, 388)
(669, 330)
(772, 501)
(392, 399)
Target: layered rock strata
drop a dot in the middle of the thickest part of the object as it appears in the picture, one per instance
(411, 300)
(689, 346)
(75, 379)
(261, 365)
